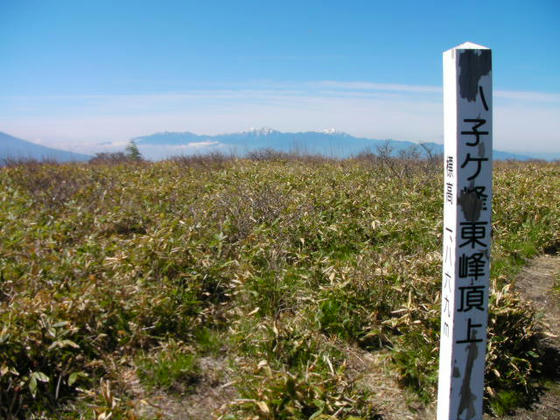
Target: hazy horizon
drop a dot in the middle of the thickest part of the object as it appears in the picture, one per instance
(334, 143)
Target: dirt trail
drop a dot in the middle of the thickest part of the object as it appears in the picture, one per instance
(535, 283)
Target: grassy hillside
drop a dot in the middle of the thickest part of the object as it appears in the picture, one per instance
(276, 268)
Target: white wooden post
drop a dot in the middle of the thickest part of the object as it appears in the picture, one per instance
(467, 100)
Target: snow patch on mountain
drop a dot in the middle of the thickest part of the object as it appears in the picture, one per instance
(333, 131)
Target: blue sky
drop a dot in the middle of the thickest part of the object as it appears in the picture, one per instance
(76, 73)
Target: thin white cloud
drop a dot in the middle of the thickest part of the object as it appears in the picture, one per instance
(200, 144)
(391, 87)
(527, 96)
(367, 87)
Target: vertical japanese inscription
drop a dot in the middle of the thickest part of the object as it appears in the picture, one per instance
(467, 224)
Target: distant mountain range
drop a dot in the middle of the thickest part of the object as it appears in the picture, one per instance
(329, 143)
(13, 148)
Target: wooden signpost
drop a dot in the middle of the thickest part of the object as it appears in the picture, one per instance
(467, 99)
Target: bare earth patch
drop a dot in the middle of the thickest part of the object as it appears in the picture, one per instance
(373, 371)
(214, 390)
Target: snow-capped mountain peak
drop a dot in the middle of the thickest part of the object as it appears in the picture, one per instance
(263, 131)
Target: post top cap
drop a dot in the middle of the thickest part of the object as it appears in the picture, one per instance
(470, 46)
